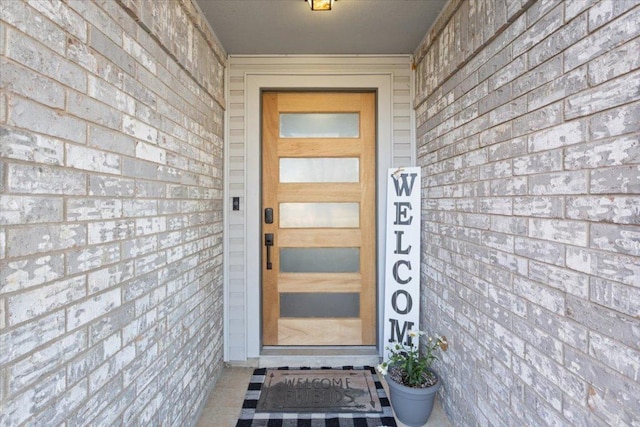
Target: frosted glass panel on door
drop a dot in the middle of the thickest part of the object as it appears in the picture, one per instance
(319, 215)
(320, 169)
(319, 125)
(302, 304)
(319, 260)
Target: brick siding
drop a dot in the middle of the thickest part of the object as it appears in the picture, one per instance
(528, 119)
(111, 139)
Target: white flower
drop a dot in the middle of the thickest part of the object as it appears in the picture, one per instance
(382, 368)
(416, 333)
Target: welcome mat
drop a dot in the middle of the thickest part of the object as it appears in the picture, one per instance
(318, 390)
(301, 397)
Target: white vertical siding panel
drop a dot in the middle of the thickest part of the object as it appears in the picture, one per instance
(402, 143)
(235, 147)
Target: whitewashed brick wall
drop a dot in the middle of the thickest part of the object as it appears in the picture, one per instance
(528, 118)
(111, 127)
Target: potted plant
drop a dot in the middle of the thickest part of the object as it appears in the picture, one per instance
(412, 383)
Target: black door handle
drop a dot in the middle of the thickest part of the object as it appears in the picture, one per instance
(268, 242)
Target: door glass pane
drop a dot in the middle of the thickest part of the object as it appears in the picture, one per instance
(320, 169)
(319, 260)
(300, 304)
(319, 215)
(319, 125)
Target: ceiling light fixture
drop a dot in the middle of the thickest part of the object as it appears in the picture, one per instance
(320, 4)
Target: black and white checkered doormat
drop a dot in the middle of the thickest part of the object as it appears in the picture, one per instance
(249, 417)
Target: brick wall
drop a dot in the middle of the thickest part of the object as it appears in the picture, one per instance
(528, 117)
(111, 163)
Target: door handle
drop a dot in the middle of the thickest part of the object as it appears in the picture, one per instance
(268, 242)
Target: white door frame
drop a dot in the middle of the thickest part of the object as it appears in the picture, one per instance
(255, 83)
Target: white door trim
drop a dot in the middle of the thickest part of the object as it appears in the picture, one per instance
(255, 83)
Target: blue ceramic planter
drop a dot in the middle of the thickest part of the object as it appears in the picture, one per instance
(412, 406)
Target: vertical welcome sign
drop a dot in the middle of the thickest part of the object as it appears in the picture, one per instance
(402, 267)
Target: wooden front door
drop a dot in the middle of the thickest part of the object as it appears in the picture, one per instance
(318, 224)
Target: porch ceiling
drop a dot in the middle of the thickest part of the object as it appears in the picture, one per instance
(266, 27)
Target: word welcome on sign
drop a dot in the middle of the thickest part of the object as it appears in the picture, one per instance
(402, 266)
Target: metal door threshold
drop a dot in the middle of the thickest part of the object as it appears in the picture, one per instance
(318, 356)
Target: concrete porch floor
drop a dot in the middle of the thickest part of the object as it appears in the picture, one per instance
(225, 401)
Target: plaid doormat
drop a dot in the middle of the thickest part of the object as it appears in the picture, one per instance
(249, 417)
